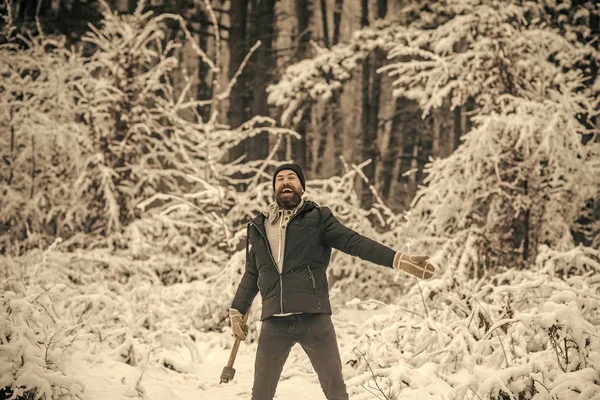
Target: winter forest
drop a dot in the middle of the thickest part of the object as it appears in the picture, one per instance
(137, 139)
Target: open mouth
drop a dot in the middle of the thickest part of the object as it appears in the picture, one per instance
(286, 190)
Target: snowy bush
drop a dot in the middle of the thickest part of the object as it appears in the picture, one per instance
(116, 304)
(516, 334)
(35, 343)
(40, 140)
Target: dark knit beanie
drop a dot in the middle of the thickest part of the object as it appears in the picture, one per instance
(293, 167)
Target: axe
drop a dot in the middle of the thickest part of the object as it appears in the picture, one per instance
(228, 371)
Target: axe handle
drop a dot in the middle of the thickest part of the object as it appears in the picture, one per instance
(236, 343)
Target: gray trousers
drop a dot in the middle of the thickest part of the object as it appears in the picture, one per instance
(316, 335)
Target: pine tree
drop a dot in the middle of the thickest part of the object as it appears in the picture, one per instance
(523, 174)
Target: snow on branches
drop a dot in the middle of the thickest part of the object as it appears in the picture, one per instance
(484, 50)
(524, 167)
(320, 76)
(516, 334)
(96, 142)
(527, 169)
(40, 139)
(36, 341)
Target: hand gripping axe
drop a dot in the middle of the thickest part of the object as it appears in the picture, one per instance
(228, 371)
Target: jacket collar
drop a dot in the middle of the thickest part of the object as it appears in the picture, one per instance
(304, 206)
(273, 211)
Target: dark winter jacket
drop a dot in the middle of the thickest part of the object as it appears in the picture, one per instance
(302, 285)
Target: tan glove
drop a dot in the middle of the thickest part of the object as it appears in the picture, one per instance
(237, 324)
(418, 266)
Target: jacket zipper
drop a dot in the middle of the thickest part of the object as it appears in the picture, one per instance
(275, 264)
(281, 272)
(312, 278)
(280, 235)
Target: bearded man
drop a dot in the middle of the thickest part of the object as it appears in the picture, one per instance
(287, 254)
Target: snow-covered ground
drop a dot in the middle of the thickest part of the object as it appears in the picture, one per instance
(109, 379)
(105, 378)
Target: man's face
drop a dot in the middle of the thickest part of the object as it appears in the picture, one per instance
(288, 189)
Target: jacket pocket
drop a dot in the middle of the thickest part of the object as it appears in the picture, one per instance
(260, 290)
(266, 287)
(311, 277)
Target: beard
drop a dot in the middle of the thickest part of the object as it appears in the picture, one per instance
(288, 202)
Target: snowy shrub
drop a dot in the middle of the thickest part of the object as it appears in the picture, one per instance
(578, 261)
(170, 161)
(35, 343)
(516, 334)
(117, 304)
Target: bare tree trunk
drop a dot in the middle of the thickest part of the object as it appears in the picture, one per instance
(454, 139)
(370, 96)
(205, 78)
(395, 179)
(464, 122)
(595, 29)
(304, 13)
(397, 144)
(436, 134)
(321, 163)
(331, 144)
(325, 24)
(382, 172)
(367, 141)
(382, 6)
(238, 100)
(262, 24)
(315, 141)
(364, 13)
(414, 163)
(337, 20)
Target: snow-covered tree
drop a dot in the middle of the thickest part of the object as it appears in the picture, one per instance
(124, 140)
(40, 137)
(524, 174)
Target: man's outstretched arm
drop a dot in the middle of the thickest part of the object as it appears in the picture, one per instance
(351, 242)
